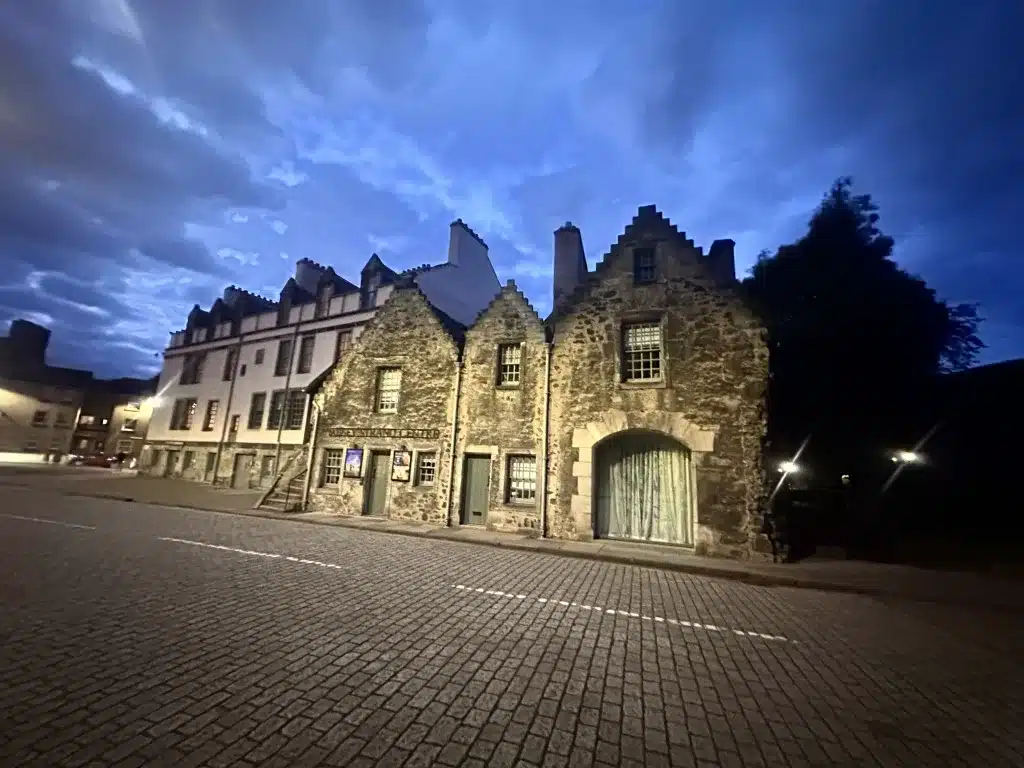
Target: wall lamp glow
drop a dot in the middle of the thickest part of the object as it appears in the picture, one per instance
(789, 467)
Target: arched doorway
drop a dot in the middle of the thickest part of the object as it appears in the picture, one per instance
(644, 489)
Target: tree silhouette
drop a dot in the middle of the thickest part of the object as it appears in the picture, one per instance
(854, 339)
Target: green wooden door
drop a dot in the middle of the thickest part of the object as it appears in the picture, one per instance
(476, 480)
(377, 483)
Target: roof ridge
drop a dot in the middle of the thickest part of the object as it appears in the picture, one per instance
(508, 288)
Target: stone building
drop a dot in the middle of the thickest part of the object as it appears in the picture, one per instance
(634, 411)
(232, 406)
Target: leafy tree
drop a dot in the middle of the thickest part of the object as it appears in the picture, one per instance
(854, 339)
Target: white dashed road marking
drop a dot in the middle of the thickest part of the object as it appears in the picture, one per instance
(51, 522)
(631, 614)
(508, 595)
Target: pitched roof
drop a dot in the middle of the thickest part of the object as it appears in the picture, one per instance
(510, 287)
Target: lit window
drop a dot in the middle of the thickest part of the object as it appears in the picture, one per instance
(426, 470)
(210, 420)
(522, 479)
(642, 352)
(86, 420)
(643, 265)
(334, 460)
(510, 358)
(389, 382)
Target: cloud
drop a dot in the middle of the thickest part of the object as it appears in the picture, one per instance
(136, 137)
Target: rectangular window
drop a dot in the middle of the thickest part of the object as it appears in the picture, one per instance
(644, 265)
(277, 403)
(284, 358)
(39, 419)
(641, 345)
(183, 413)
(306, 354)
(229, 364)
(333, 462)
(258, 359)
(389, 382)
(192, 368)
(130, 425)
(343, 343)
(257, 406)
(233, 424)
(210, 420)
(295, 409)
(426, 469)
(86, 420)
(522, 480)
(323, 304)
(510, 357)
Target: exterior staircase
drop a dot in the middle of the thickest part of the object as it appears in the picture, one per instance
(285, 494)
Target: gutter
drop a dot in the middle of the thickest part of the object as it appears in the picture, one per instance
(227, 413)
(455, 426)
(314, 417)
(544, 443)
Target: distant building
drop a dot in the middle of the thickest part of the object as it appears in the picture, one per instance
(48, 412)
(635, 411)
(231, 405)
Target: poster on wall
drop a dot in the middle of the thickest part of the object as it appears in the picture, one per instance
(401, 466)
(353, 462)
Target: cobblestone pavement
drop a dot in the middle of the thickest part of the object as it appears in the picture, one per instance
(134, 635)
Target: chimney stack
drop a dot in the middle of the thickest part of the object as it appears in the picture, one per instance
(721, 260)
(570, 262)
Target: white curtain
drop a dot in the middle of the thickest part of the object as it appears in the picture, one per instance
(645, 489)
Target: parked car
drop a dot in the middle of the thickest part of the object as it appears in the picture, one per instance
(94, 460)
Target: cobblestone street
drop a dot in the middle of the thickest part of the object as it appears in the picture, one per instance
(135, 635)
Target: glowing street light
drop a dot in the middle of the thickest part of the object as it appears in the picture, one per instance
(906, 457)
(789, 467)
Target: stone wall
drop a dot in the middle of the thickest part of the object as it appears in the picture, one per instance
(407, 334)
(715, 364)
(261, 471)
(503, 421)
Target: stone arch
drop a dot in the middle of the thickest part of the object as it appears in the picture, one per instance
(699, 440)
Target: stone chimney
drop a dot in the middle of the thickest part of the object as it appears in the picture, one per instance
(307, 274)
(570, 262)
(721, 260)
(231, 295)
(464, 244)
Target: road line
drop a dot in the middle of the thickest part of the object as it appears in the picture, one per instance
(251, 552)
(51, 522)
(632, 615)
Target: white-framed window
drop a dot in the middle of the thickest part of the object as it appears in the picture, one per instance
(522, 480)
(334, 460)
(641, 352)
(510, 359)
(295, 409)
(426, 469)
(389, 383)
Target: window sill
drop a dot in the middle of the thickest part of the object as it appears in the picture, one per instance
(659, 384)
(508, 387)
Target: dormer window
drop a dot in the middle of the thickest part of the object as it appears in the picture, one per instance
(644, 265)
(370, 295)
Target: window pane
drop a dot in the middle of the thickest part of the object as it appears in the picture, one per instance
(509, 363)
(642, 352)
(522, 479)
(334, 460)
(389, 382)
(427, 471)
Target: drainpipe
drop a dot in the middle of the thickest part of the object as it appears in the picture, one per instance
(314, 416)
(544, 444)
(227, 412)
(284, 411)
(455, 426)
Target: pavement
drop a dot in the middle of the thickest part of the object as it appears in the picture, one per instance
(142, 635)
(856, 577)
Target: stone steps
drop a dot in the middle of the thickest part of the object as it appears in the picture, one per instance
(286, 497)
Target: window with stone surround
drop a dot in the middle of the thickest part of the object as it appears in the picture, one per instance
(644, 265)
(510, 362)
(334, 460)
(522, 480)
(389, 382)
(641, 352)
(426, 469)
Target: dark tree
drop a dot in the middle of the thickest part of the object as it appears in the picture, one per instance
(854, 339)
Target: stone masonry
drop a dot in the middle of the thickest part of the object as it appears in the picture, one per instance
(710, 397)
(407, 333)
(198, 462)
(503, 420)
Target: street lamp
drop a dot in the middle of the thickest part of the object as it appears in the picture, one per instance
(789, 467)
(906, 457)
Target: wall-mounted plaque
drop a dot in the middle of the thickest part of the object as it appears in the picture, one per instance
(400, 434)
(353, 462)
(401, 466)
